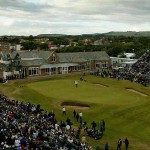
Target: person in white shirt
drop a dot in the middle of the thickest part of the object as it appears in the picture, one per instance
(17, 143)
(80, 115)
(76, 83)
(64, 111)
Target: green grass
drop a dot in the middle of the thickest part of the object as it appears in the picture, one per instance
(126, 114)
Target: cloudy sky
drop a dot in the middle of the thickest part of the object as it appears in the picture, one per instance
(33, 17)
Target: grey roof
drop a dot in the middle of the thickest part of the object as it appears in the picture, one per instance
(38, 58)
(35, 62)
(32, 54)
(83, 56)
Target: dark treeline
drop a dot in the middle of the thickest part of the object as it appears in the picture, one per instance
(114, 45)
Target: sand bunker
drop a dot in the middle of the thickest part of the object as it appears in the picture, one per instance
(102, 85)
(74, 105)
(137, 92)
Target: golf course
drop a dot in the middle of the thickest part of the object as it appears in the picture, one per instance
(124, 105)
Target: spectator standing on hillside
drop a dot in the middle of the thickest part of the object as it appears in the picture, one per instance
(93, 125)
(106, 146)
(126, 143)
(80, 115)
(103, 124)
(74, 113)
(83, 139)
(80, 123)
(81, 78)
(64, 111)
(76, 83)
(119, 144)
(77, 117)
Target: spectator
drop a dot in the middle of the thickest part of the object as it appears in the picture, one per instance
(77, 117)
(76, 83)
(64, 111)
(83, 139)
(80, 115)
(74, 113)
(94, 125)
(106, 146)
(126, 143)
(119, 144)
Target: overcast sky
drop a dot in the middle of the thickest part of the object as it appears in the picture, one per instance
(33, 17)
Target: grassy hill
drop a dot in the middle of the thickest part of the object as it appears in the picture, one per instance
(126, 113)
(50, 35)
(129, 34)
(113, 33)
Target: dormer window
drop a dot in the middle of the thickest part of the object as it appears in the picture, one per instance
(53, 58)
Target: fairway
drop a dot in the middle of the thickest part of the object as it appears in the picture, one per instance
(126, 113)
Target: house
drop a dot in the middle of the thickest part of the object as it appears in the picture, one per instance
(8, 46)
(101, 41)
(52, 47)
(130, 55)
(16, 47)
(126, 61)
(86, 60)
(4, 46)
(42, 40)
(40, 63)
(122, 62)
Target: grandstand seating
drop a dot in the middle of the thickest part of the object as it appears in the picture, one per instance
(142, 66)
(27, 126)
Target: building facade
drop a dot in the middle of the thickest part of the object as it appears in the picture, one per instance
(39, 63)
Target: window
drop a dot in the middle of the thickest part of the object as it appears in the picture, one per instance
(53, 69)
(87, 66)
(53, 58)
(83, 67)
(104, 65)
(47, 70)
(98, 65)
(33, 71)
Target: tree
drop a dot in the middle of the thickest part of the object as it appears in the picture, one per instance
(44, 46)
(29, 45)
(31, 38)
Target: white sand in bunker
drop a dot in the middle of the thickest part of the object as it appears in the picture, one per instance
(102, 85)
(137, 92)
(75, 107)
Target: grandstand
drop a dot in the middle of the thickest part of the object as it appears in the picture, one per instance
(138, 72)
(142, 65)
(27, 126)
(141, 69)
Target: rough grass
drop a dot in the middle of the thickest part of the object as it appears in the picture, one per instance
(126, 114)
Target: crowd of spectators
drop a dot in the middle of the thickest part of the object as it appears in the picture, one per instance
(139, 72)
(24, 126)
(140, 65)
